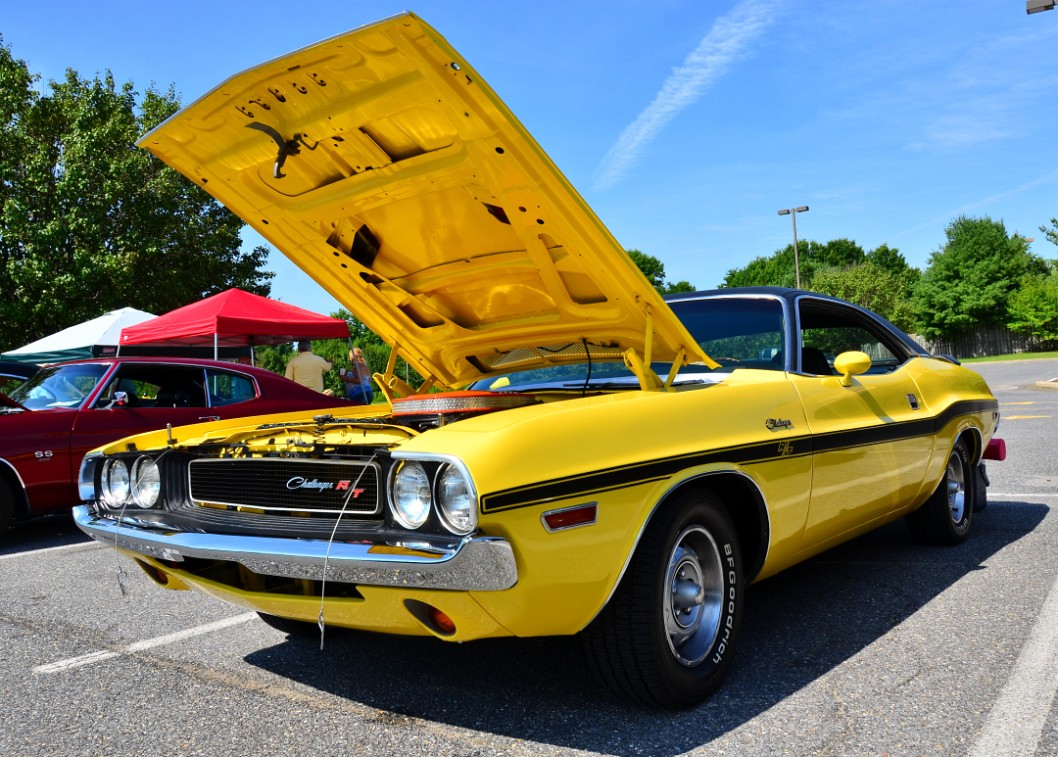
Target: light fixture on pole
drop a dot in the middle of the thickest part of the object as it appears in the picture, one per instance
(792, 212)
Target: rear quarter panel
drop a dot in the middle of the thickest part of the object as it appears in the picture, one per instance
(963, 402)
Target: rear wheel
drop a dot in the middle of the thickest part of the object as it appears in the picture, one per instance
(945, 517)
(667, 635)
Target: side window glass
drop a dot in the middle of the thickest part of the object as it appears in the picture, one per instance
(141, 393)
(827, 330)
(228, 388)
(157, 385)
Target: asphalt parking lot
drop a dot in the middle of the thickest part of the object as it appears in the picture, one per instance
(880, 646)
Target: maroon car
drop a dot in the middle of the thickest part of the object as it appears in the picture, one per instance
(48, 423)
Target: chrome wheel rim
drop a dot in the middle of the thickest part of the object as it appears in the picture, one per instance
(956, 488)
(694, 595)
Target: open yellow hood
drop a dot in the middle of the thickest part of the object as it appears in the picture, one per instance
(384, 166)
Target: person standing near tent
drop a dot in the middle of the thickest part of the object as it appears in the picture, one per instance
(307, 368)
(358, 378)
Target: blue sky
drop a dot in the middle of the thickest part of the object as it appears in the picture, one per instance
(685, 124)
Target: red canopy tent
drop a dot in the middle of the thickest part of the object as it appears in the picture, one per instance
(233, 319)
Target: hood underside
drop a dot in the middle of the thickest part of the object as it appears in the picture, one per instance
(385, 167)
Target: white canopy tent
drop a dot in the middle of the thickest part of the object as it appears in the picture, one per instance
(93, 338)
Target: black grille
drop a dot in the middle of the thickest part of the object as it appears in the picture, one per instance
(287, 485)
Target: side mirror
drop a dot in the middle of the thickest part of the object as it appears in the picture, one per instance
(120, 399)
(850, 364)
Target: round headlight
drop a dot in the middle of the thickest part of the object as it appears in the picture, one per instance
(115, 483)
(146, 482)
(455, 498)
(411, 495)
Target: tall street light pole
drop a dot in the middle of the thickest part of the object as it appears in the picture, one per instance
(792, 212)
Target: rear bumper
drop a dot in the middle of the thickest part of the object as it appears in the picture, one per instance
(468, 564)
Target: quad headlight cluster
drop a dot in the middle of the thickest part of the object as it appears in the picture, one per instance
(425, 492)
(125, 483)
(420, 489)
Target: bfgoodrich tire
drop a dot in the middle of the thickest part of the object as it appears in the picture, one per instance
(945, 517)
(667, 635)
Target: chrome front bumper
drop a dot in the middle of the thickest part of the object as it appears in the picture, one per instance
(470, 564)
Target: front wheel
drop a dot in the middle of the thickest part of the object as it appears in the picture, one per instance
(667, 635)
(944, 518)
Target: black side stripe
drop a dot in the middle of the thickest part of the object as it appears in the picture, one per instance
(620, 477)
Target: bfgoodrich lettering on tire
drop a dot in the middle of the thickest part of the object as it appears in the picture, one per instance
(667, 636)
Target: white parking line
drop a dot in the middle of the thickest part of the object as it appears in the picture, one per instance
(158, 641)
(1015, 724)
(75, 662)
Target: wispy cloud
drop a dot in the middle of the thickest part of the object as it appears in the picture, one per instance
(984, 203)
(727, 41)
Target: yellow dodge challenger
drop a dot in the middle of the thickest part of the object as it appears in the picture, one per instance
(582, 457)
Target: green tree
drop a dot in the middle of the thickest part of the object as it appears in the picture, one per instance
(1034, 308)
(88, 223)
(654, 270)
(871, 286)
(971, 280)
(1051, 232)
(888, 258)
(780, 269)
(777, 270)
(837, 253)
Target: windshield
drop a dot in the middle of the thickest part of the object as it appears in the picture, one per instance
(737, 332)
(59, 386)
